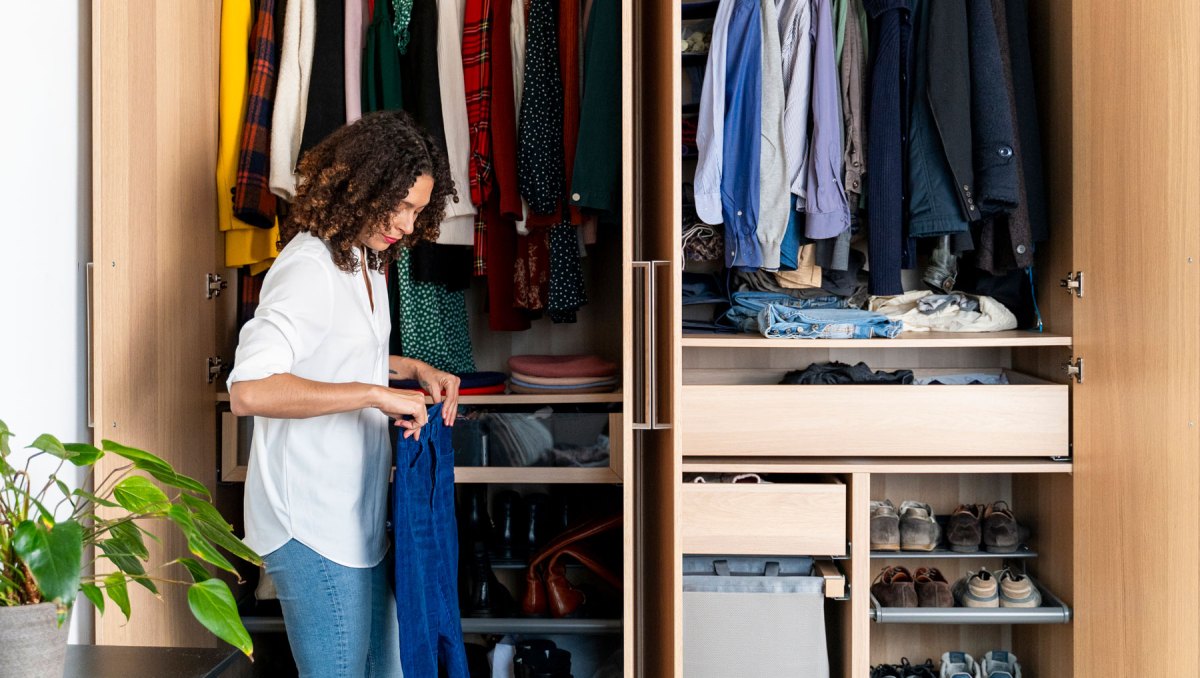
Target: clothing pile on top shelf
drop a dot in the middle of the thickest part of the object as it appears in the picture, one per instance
(562, 374)
(832, 128)
(915, 528)
(523, 95)
(995, 664)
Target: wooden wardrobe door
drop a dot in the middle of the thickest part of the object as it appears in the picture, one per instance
(1137, 413)
(154, 99)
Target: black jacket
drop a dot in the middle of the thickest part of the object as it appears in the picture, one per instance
(997, 185)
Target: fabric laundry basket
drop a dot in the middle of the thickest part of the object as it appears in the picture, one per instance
(753, 617)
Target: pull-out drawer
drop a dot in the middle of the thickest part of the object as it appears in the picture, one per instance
(1026, 417)
(764, 519)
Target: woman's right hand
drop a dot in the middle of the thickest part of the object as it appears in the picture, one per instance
(406, 407)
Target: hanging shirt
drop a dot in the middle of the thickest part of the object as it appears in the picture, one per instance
(253, 201)
(596, 179)
(774, 201)
(477, 77)
(458, 227)
(355, 25)
(326, 108)
(795, 44)
(540, 123)
(710, 125)
(827, 213)
(886, 134)
(322, 481)
(244, 243)
(853, 69)
(740, 175)
(291, 94)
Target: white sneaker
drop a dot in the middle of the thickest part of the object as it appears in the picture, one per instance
(959, 665)
(1000, 664)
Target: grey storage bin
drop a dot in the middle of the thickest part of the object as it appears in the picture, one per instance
(753, 617)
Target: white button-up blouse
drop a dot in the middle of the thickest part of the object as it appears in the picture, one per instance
(323, 480)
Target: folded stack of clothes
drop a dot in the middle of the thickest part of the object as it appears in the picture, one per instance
(561, 374)
(473, 383)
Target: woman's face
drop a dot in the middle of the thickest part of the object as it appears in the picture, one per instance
(400, 222)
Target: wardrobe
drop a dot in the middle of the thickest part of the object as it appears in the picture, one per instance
(1102, 461)
(164, 317)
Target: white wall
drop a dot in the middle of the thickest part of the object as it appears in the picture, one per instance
(45, 231)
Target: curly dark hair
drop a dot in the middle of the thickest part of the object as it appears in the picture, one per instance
(357, 176)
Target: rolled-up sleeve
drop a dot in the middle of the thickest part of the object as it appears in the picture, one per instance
(292, 319)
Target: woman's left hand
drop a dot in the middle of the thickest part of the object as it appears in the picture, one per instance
(441, 386)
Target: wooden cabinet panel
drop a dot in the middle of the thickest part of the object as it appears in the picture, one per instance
(946, 421)
(764, 519)
(154, 94)
(1136, 108)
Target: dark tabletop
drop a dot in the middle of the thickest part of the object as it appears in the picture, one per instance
(92, 661)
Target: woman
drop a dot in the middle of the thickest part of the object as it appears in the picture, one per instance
(312, 367)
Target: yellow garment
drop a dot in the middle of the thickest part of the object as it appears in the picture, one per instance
(245, 245)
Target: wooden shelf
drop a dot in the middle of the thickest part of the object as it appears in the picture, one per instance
(1011, 338)
(872, 465)
(536, 475)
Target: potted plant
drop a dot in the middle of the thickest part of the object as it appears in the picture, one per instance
(42, 547)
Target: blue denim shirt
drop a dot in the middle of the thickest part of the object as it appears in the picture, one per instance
(742, 141)
(782, 322)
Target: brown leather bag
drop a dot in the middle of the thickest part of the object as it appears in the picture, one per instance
(550, 591)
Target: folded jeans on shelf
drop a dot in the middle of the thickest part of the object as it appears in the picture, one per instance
(783, 322)
(747, 305)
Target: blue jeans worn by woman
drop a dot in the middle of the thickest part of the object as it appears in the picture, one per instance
(341, 621)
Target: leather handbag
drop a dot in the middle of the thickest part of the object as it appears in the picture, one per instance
(547, 589)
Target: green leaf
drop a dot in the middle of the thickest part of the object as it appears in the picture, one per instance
(85, 455)
(50, 445)
(141, 459)
(62, 487)
(114, 586)
(54, 555)
(195, 568)
(205, 511)
(95, 595)
(213, 606)
(94, 499)
(197, 544)
(156, 467)
(138, 495)
(130, 538)
(5, 434)
(127, 562)
(225, 539)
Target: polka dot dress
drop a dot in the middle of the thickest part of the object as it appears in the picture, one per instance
(566, 277)
(433, 322)
(540, 174)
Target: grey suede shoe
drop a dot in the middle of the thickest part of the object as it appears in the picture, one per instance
(959, 665)
(963, 530)
(919, 530)
(1000, 531)
(1017, 590)
(885, 526)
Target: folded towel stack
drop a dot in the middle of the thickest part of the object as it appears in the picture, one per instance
(472, 383)
(561, 374)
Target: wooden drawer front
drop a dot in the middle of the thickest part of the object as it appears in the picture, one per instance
(775, 519)
(932, 421)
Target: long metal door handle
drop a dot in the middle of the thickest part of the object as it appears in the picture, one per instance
(89, 295)
(655, 268)
(643, 383)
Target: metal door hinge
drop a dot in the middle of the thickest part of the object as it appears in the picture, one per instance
(214, 284)
(215, 367)
(1074, 368)
(1073, 283)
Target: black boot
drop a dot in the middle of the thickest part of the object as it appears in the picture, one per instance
(509, 527)
(487, 596)
(542, 526)
(474, 524)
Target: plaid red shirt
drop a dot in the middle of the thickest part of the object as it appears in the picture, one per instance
(253, 201)
(477, 76)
